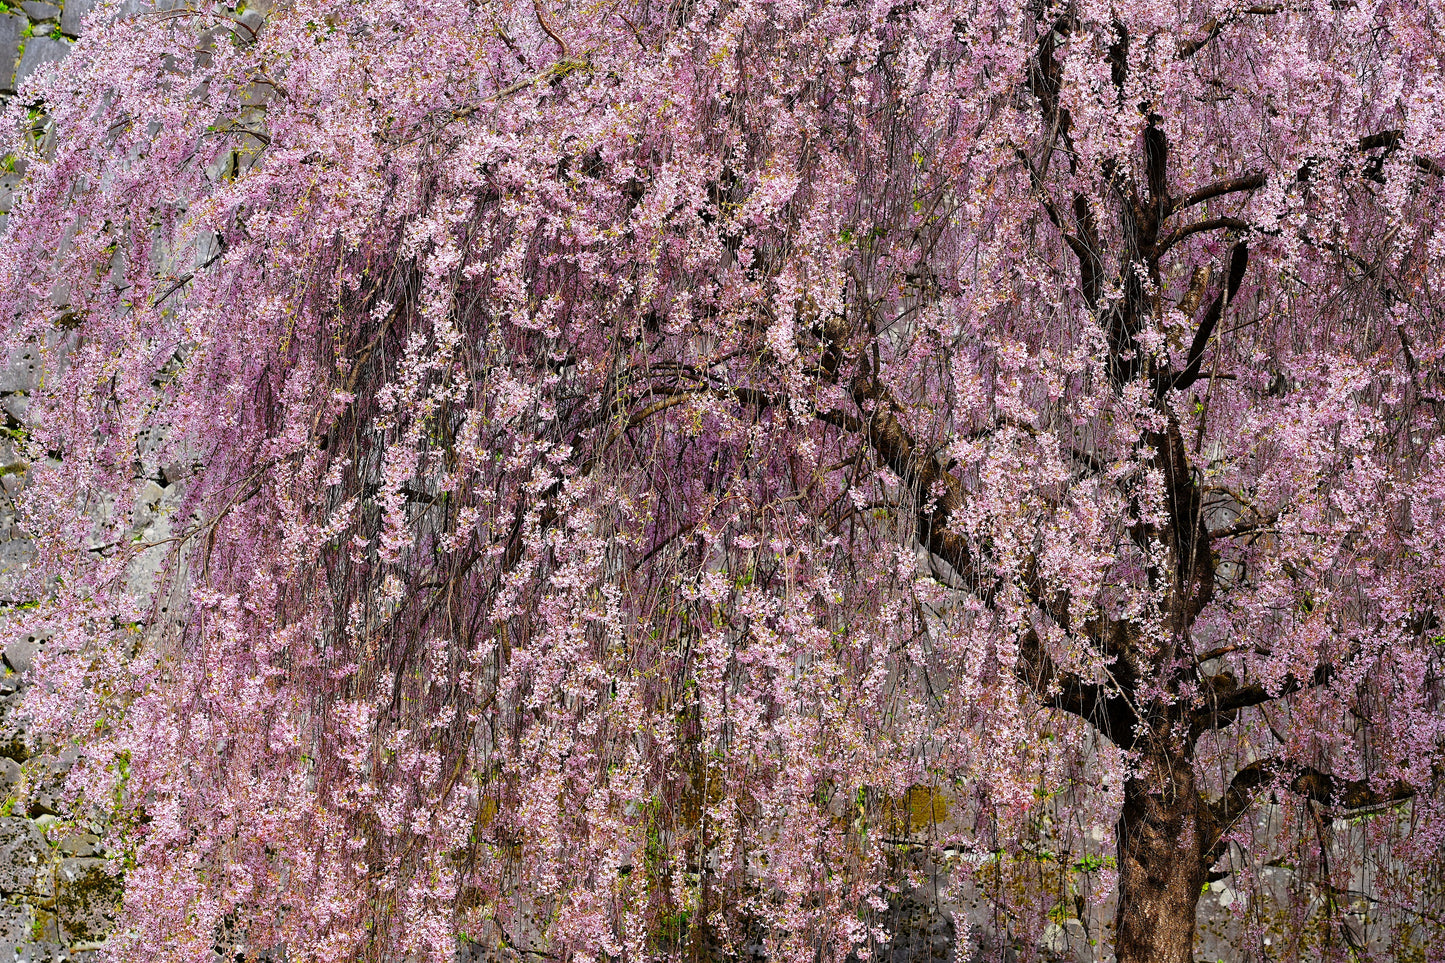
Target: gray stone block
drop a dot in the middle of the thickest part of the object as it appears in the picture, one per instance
(22, 372)
(42, 802)
(252, 21)
(44, 952)
(39, 52)
(20, 654)
(7, 188)
(12, 478)
(36, 10)
(83, 844)
(14, 741)
(15, 553)
(9, 776)
(148, 501)
(74, 14)
(25, 868)
(15, 406)
(45, 789)
(11, 28)
(17, 924)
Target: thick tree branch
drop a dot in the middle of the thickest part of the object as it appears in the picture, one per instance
(1215, 25)
(1346, 794)
(1045, 76)
(939, 493)
(1244, 182)
(1389, 141)
(1238, 263)
(1194, 295)
(1084, 244)
(1107, 708)
(1087, 249)
(1225, 698)
(1222, 650)
(1209, 224)
(1251, 527)
(1156, 163)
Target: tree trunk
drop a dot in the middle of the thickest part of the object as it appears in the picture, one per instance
(1161, 865)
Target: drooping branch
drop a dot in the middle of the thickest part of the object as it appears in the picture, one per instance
(1325, 789)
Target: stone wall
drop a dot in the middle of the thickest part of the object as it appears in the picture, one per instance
(57, 890)
(34, 33)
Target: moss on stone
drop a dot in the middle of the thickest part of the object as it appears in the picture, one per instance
(87, 899)
(15, 748)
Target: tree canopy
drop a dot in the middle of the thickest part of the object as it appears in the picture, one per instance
(633, 452)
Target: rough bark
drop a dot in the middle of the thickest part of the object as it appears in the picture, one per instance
(1161, 866)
